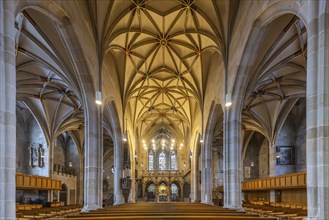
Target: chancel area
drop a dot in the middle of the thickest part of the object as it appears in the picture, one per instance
(164, 109)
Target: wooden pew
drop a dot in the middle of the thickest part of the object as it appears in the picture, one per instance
(45, 213)
(92, 215)
(175, 218)
(161, 211)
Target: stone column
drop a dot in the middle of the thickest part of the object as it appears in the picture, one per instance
(92, 155)
(51, 165)
(100, 157)
(215, 164)
(93, 147)
(271, 159)
(118, 169)
(7, 111)
(132, 195)
(51, 168)
(232, 160)
(271, 166)
(194, 178)
(317, 120)
(80, 182)
(181, 190)
(52, 144)
(206, 172)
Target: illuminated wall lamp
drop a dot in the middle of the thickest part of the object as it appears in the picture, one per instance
(228, 100)
(201, 138)
(124, 137)
(98, 98)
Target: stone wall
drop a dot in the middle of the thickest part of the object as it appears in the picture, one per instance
(29, 196)
(286, 137)
(72, 155)
(300, 118)
(66, 153)
(255, 153)
(71, 184)
(301, 147)
(293, 133)
(217, 169)
(263, 159)
(28, 132)
(22, 140)
(59, 153)
(108, 175)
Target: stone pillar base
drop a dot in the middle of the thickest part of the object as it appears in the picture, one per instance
(88, 208)
(207, 200)
(119, 201)
(234, 208)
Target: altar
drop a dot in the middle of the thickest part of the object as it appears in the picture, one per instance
(163, 198)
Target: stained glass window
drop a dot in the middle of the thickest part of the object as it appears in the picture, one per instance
(151, 160)
(173, 161)
(162, 161)
(174, 189)
(151, 188)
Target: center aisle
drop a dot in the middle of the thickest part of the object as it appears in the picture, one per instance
(164, 211)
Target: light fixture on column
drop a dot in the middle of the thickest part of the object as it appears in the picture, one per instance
(228, 99)
(201, 138)
(184, 164)
(70, 164)
(98, 98)
(124, 135)
(277, 152)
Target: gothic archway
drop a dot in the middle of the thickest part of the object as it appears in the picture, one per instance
(150, 191)
(63, 194)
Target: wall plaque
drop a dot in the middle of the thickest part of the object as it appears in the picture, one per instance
(36, 155)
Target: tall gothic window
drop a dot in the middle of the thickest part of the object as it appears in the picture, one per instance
(173, 161)
(162, 161)
(151, 160)
(174, 189)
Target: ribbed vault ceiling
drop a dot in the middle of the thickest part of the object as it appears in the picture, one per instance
(279, 76)
(161, 49)
(163, 43)
(44, 83)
